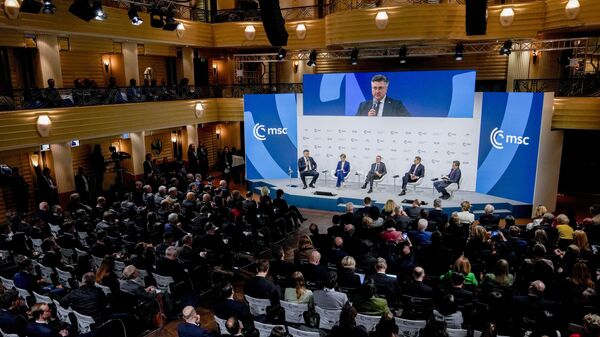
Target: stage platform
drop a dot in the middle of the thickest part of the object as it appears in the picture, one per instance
(306, 198)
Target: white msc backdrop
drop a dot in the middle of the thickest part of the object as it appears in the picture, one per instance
(438, 141)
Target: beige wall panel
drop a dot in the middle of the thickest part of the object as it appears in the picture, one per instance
(82, 65)
(167, 147)
(158, 65)
(159, 49)
(231, 34)
(528, 21)
(78, 43)
(11, 38)
(15, 70)
(581, 113)
(588, 18)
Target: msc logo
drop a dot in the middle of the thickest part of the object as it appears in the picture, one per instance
(498, 139)
(260, 132)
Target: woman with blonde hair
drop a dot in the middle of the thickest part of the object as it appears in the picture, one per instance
(463, 266)
(465, 215)
(347, 278)
(580, 240)
(388, 208)
(299, 294)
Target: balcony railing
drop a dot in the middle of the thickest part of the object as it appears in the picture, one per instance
(65, 97)
(575, 87)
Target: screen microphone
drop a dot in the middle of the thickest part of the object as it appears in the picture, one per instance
(374, 107)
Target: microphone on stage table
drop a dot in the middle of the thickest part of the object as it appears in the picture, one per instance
(435, 179)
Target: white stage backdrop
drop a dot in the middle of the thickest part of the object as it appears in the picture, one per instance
(438, 141)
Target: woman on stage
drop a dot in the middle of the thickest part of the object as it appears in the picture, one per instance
(342, 170)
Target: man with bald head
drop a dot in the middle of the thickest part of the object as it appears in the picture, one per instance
(313, 272)
(337, 252)
(191, 325)
(532, 305)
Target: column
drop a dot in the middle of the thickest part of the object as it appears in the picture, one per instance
(62, 161)
(138, 152)
(130, 62)
(187, 59)
(49, 59)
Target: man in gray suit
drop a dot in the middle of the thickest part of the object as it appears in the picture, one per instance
(130, 285)
(381, 105)
(377, 171)
(328, 298)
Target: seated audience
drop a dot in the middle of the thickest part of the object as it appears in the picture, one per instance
(328, 297)
(299, 294)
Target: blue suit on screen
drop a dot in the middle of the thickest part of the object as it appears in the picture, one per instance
(341, 172)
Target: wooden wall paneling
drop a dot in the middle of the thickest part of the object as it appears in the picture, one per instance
(79, 43)
(167, 146)
(11, 38)
(528, 22)
(206, 136)
(82, 65)
(582, 113)
(16, 77)
(588, 18)
(158, 65)
(159, 49)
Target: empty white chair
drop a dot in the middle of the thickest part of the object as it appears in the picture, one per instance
(54, 229)
(64, 277)
(409, 328)
(264, 330)
(41, 298)
(369, 322)
(221, 324)
(37, 245)
(163, 282)
(457, 333)
(143, 273)
(4, 334)
(301, 333)
(119, 266)
(414, 184)
(105, 289)
(258, 306)
(7, 283)
(328, 318)
(83, 322)
(23, 293)
(62, 313)
(46, 273)
(293, 312)
(67, 255)
(96, 262)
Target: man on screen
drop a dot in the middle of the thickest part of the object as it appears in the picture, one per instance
(417, 171)
(377, 171)
(381, 104)
(452, 178)
(307, 167)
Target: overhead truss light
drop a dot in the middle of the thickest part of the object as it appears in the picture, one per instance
(402, 54)
(458, 51)
(312, 59)
(49, 7)
(506, 48)
(157, 17)
(31, 6)
(281, 54)
(354, 57)
(134, 16)
(86, 10)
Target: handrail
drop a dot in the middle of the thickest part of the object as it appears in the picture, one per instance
(573, 87)
(67, 97)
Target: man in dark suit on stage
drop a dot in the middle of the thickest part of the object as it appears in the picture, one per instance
(417, 171)
(381, 104)
(452, 178)
(307, 167)
(377, 171)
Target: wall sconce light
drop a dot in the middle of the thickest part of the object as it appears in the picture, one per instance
(572, 9)
(295, 66)
(250, 32)
(35, 160)
(381, 20)
(214, 66)
(106, 63)
(12, 9)
(301, 31)
(199, 110)
(218, 132)
(44, 124)
(507, 16)
(174, 137)
(534, 56)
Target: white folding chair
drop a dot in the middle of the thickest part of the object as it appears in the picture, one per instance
(37, 245)
(83, 322)
(83, 238)
(62, 313)
(415, 184)
(369, 322)
(294, 312)
(4, 334)
(221, 324)
(143, 273)
(80, 253)
(4, 255)
(301, 333)
(379, 180)
(163, 282)
(346, 178)
(453, 187)
(41, 298)
(328, 318)
(258, 306)
(54, 229)
(476, 333)
(67, 255)
(119, 266)
(457, 333)
(264, 330)
(64, 277)
(23, 293)
(7, 283)
(104, 289)
(46, 273)
(96, 262)
(409, 328)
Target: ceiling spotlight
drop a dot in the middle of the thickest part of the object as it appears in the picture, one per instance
(458, 51)
(98, 12)
(31, 6)
(402, 54)
(156, 18)
(506, 48)
(49, 7)
(170, 23)
(133, 16)
(312, 59)
(354, 57)
(281, 54)
(180, 26)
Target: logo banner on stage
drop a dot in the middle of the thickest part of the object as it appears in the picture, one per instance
(406, 94)
(270, 134)
(508, 145)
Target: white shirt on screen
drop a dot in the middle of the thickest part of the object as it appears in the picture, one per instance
(380, 110)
